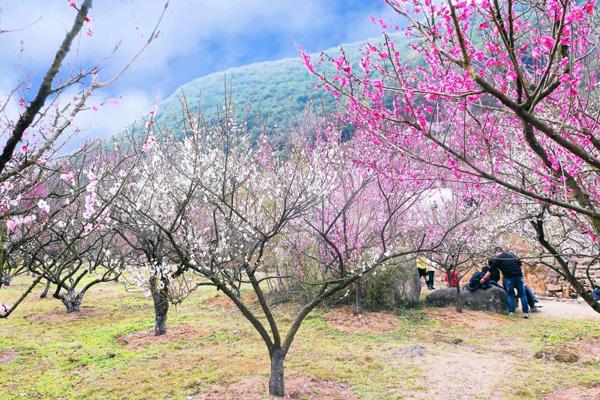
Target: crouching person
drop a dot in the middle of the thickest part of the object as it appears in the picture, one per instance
(512, 278)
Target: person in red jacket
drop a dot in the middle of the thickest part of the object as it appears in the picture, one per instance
(454, 278)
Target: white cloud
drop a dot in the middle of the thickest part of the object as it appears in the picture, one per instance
(103, 120)
(188, 26)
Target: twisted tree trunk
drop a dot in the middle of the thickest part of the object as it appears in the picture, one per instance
(71, 301)
(161, 305)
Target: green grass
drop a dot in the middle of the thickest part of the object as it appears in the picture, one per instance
(78, 357)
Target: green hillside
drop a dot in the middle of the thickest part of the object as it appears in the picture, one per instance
(269, 93)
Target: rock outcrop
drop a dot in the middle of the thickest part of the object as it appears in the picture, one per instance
(492, 299)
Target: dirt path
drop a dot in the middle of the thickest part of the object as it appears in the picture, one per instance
(453, 374)
(567, 309)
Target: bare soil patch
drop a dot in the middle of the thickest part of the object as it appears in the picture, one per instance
(136, 340)
(585, 350)
(477, 320)
(443, 366)
(574, 393)
(589, 349)
(225, 302)
(296, 387)
(61, 314)
(345, 319)
(7, 355)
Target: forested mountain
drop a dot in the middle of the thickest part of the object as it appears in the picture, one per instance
(270, 94)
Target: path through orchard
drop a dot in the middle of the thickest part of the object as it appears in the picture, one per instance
(567, 309)
(471, 355)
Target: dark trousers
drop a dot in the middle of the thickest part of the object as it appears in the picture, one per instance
(531, 297)
(510, 284)
(430, 275)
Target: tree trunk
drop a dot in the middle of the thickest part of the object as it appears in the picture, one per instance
(408, 287)
(161, 306)
(459, 305)
(359, 297)
(71, 301)
(46, 289)
(276, 385)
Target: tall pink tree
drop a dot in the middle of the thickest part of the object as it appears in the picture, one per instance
(502, 96)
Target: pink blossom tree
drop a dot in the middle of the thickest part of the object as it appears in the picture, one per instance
(31, 141)
(66, 236)
(233, 214)
(502, 96)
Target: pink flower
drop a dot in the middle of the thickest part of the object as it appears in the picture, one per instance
(479, 55)
(590, 6)
(67, 177)
(12, 224)
(547, 43)
(576, 15)
(149, 145)
(492, 47)
(565, 78)
(307, 61)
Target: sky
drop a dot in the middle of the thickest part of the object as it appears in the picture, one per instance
(197, 37)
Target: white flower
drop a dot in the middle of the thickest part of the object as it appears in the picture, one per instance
(43, 205)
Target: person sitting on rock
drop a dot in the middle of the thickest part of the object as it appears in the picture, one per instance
(512, 275)
(475, 283)
(531, 297)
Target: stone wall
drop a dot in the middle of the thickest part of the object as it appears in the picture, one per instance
(545, 281)
(559, 287)
(492, 299)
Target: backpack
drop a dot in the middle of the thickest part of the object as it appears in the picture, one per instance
(596, 294)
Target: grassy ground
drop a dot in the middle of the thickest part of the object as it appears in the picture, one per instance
(475, 355)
